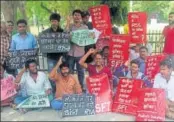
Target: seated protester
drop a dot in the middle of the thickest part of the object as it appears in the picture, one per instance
(143, 55)
(98, 67)
(133, 73)
(105, 53)
(32, 82)
(4, 74)
(65, 83)
(165, 80)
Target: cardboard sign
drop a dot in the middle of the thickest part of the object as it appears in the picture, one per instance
(54, 42)
(102, 42)
(7, 88)
(137, 22)
(126, 97)
(151, 105)
(85, 37)
(78, 105)
(101, 19)
(153, 65)
(35, 101)
(16, 59)
(118, 49)
(99, 86)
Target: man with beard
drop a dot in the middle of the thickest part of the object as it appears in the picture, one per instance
(65, 83)
(32, 82)
(165, 80)
(168, 35)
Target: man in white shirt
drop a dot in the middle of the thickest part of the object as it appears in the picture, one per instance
(165, 80)
(32, 82)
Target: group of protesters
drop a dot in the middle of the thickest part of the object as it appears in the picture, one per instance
(60, 81)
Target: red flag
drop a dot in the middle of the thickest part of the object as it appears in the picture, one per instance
(137, 22)
(126, 97)
(99, 86)
(101, 19)
(151, 105)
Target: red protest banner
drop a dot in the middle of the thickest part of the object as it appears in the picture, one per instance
(101, 19)
(151, 105)
(99, 86)
(137, 22)
(118, 49)
(153, 65)
(7, 88)
(102, 42)
(126, 97)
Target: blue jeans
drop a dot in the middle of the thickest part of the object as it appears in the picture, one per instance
(80, 71)
(56, 104)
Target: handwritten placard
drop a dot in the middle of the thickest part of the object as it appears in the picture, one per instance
(16, 59)
(126, 98)
(99, 86)
(137, 22)
(118, 49)
(151, 105)
(102, 42)
(78, 105)
(153, 65)
(35, 101)
(101, 19)
(7, 88)
(54, 42)
(85, 37)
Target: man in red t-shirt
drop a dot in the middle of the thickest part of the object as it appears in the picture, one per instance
(168, 34)
(98, 67)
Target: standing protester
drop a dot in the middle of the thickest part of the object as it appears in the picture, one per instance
(76, 52)
(65, 83)
(10, 28)
(168, 35)
(165, 80)
(5, 38)
(53, 57)
(23, 39)
(105, 53)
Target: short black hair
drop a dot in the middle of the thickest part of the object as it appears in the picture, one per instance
(55, 16)
(64, 64)
(10, 22)
(135, 61)
(29, 61)
(22, 21)
(98, 53)
(85, 13)
(143, 47)
(166, 62)
(105, 47)
(171, 13)
(77, 11)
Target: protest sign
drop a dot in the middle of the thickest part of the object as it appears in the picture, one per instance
(35, 101)
(101, 19)
(78, 105)
(126, 98)
(7, 88)
(152, 66)
(118, 49)
(16, 59)
(85, 37)
(54, 42)
(102, 42)
(99, 86)
(151, 105)
(137, 22)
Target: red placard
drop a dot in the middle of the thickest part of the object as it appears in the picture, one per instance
(102, 42)
(100, 87)
(126, 97)
(101, 19)
(137, 22)
(151, 105)
(118, 49)
(153, 65)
